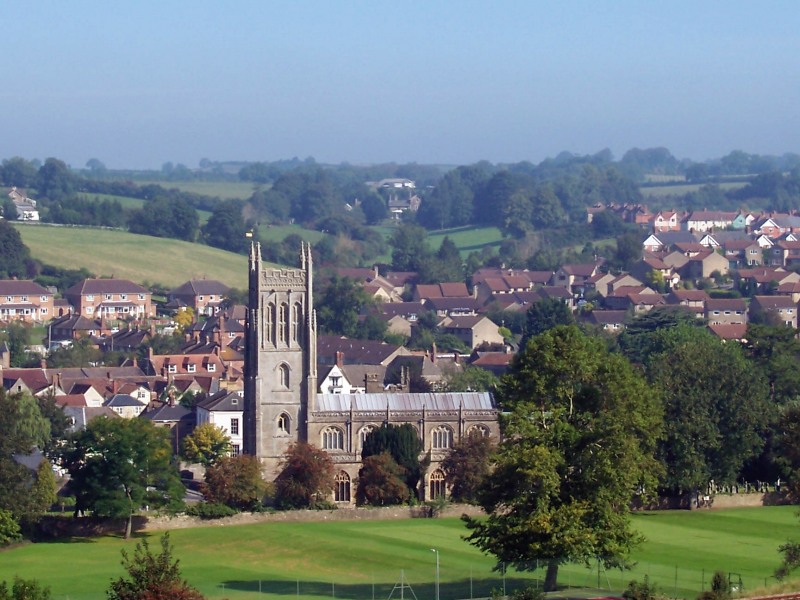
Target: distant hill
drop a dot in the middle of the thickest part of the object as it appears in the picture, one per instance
(139, 258)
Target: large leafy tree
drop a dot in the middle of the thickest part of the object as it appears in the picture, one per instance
(342, 300)
(381, 482)
(580, 428)
(226, 228)
(546, 314)
(235, 481)
(306, 476)
(716, 407)
(403, 445)
(467, 466)
(152, 576)
(15, 256)
(206, 445)
(118, 465)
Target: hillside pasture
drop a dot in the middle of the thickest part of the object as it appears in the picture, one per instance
(663, 191)
(140, 258)
(129, 203)
(361, 560)
(225, 190)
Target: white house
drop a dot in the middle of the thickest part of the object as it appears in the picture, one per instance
(225, 410)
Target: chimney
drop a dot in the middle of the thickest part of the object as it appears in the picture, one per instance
(115, 386)
(135, 362)
(339, 359)
(433, 353)
(43, 364)
(375, 270)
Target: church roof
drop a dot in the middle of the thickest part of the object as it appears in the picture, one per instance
(405, 402)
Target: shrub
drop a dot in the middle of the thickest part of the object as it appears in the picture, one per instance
(641, 591)
(210, 510)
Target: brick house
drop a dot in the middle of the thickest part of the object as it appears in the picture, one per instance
(22, 300)
(202, 295)
(110, 298)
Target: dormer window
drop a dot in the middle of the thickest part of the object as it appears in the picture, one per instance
(191, 368)
(172, 368)
(211, 367)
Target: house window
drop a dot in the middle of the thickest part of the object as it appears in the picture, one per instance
(89, 310)
(43, 311)
(141, 296)
(109, 296)
(332, 438)
(234, 426)
(341, 487)
(123, 296)
(191, 368)
(90, 297)
(43, 298)
(24, 299)
(283, 424)
(436, 485)
(200, 298)
(235, 450)
(172, 368)
(442, 437)
(211, 367)
(9, 298)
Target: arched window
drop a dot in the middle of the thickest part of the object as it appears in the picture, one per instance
(283, 323)
(297, 319)
(478, 431)
(341, 487)
(268, 320)
(283, 375)
(436, 485)
(332, 439)
(363, 433)
(284, 424)
(442, 437)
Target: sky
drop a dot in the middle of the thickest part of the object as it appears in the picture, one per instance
(137, 84)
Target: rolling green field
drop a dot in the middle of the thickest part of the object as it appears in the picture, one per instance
(134, 203)
(467, 239)
(139, 258)
(226, 190)
(364, 560)
(660, 191)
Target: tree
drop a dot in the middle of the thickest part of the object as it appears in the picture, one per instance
(472, 379)
(306, 477)
(152, 576)
(545, 314)
(381, 482)
(629, 250)
(226, 228)
(716, 407)
(15, 256)
(403, 444)
(467, 465)
(342, 300)
(375, 209)
(206, 444)
(117, 465)
(184, 319)
(235, 481)
(166, 217)
(9, 531)
(55, 181)
(580, 436)
(18, 172)
(409, 247)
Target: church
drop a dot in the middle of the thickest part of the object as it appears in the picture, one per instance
(283, 403)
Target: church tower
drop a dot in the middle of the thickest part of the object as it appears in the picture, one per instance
(281, 362)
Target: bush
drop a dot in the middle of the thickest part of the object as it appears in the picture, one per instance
(9, 528)
(528, 593)
(641, 591)
(211, 510)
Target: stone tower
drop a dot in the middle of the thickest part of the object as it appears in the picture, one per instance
(281, 362)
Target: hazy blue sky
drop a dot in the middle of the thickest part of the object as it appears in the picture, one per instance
(137, 84)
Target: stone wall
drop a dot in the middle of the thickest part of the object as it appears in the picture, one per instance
(289, 516)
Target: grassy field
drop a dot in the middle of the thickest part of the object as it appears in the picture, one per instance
(226, 190)
(362, 560)
(277, 233)
(679, 190)
(466, 239)
(136, 257)
(134, 203)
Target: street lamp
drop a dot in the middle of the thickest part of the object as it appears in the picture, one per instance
(435, 551)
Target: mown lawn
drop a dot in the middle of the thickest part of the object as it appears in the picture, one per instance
(139, 258)
(657, 191)
(362, 560)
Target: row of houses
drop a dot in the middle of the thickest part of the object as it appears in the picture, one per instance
(100, 299)
(702, 221)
